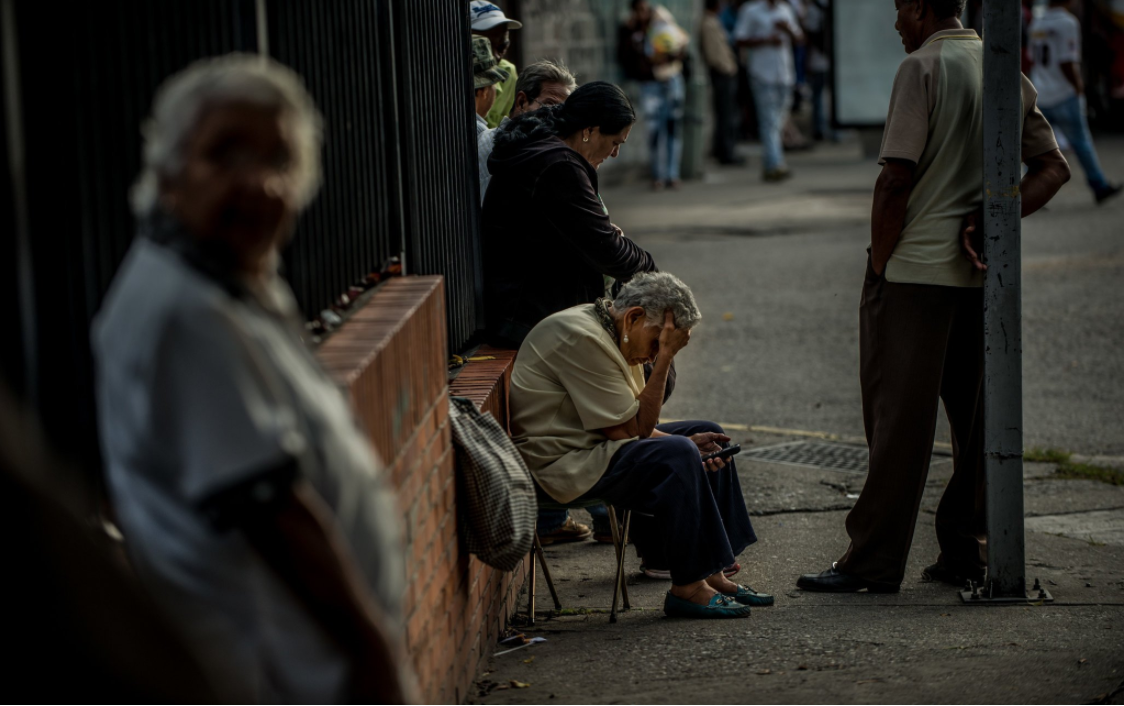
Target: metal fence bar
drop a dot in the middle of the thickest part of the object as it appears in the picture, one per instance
(1003, 412)
(347, 233)
(82, 154)
(13, 150)
(441, 195)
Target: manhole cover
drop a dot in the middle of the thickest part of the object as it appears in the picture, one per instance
(846, 458)
(818, 454)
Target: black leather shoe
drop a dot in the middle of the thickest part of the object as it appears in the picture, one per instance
(936, 572)
(835, 581)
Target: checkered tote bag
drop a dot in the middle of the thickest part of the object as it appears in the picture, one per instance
(494, 488)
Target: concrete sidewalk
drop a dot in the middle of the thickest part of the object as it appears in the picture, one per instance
(920, 646)
(777, 271)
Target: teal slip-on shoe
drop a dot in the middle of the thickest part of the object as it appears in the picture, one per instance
(747, 596)
(719, 607)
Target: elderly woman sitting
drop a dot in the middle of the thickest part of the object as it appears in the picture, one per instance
(586, 424)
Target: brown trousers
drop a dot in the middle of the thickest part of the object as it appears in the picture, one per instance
(918, 342)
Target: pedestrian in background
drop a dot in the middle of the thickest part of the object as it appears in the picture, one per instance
(488, 21)
(747, 114)
(541, 84)
(769, 29)
(485, 76)
(651, 48)
(799, 56)
(818, 33)
(1055, 47)
(723, 65)
(921, 310)
(250, 503)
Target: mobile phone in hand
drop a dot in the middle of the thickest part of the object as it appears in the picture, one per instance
(724, 453)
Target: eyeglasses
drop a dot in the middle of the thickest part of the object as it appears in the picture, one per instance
(541, 104)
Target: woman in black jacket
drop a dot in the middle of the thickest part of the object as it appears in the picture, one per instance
(547, 240)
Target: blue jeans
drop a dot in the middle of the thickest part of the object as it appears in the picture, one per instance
(662, 102)
(550, 520)
(772, 100)
(1070, 119)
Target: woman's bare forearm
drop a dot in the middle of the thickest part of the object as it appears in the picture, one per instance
(647, 417)
(651, 398)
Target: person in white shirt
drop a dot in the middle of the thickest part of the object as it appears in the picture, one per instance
(770, 29)
(1055, 43)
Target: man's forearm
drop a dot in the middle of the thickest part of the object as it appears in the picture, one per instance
(887, 218)
(1044, 177)
(1072, 72)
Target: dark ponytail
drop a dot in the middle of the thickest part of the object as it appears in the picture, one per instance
(596, 104)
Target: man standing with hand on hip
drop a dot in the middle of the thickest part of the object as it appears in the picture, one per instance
(921, 311)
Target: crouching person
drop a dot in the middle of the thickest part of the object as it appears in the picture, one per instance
(251, 504)
(585, 421)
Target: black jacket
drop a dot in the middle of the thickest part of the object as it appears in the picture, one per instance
(547, 239)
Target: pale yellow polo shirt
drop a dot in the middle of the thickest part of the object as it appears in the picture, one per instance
(570, 381)
(936, 121)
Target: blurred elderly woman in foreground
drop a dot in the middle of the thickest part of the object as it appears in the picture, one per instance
(250, 502)
(585, 422)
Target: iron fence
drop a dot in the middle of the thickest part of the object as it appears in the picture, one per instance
(440, 179)
(393, 80)
(87, 74)
(354, 224)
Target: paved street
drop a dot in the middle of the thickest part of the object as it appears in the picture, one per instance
(777, 271)
(786, 262)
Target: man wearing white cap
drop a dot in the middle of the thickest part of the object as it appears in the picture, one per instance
(489, 21)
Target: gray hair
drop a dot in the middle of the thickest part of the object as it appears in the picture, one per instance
(657, 292)
(182, 100)
(532, 78)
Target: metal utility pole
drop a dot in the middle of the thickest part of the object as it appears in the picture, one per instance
(1003, 392)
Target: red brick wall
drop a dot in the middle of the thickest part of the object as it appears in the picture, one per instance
(390, 355)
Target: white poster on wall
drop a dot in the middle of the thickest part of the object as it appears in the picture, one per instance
(866, 53)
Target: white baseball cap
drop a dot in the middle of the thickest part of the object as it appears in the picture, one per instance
(486, 15)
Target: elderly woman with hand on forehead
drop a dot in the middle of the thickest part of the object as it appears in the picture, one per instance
(250, 502)
(586, 423)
